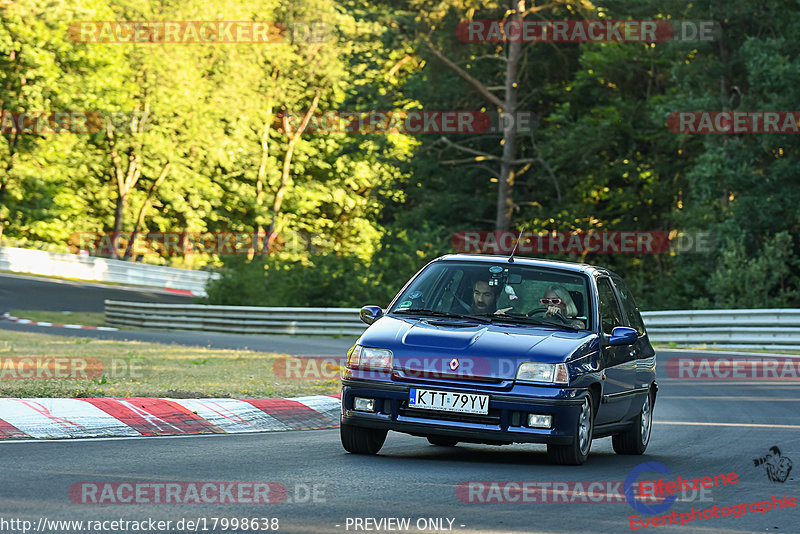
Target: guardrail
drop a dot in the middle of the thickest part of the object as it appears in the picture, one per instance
(21, 260)
(745, 328)
(235, 319)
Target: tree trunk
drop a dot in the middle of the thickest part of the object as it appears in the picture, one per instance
(505, 185)
(143, 211)
(12, 149)
(508, 106)
(126, 179)
(287, 166)
(119, 215)
(262, 173)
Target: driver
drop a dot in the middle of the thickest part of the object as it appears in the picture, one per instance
(484, 297)
(558, 301)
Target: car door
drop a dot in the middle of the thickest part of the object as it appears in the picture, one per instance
(619, 362)
(645, 356)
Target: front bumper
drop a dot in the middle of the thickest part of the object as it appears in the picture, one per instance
(505, 422)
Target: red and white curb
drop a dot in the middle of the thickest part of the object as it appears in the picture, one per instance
(17, 320)
(186, 292)
(44, 418)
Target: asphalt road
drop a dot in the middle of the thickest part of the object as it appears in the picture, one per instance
(20, 292)
(702, 428)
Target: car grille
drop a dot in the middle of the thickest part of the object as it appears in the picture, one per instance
(404, 373)
(492, 418)
(441, 378)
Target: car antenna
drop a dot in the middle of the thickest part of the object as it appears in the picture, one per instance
(511, 258)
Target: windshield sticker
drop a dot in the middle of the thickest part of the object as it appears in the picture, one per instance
(415, 295)
(495, 269)
(405, 304)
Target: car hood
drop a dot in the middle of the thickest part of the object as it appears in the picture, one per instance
(481, 350)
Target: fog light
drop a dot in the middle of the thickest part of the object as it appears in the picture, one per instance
(540, 421)
(363, 405)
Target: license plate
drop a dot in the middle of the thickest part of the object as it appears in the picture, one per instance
(447, 401)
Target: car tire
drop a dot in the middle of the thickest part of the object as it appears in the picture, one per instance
(359, 440)
(576, 452)
(635, 439)
(441, 441)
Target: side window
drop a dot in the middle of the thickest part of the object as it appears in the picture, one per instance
(426, 288)
(448, 299)
(630, 307)
(610, 315)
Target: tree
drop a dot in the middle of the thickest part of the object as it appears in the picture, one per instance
(514, 12)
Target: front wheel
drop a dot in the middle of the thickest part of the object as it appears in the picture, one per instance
(576, 452)
(359, 440)
(635, 439)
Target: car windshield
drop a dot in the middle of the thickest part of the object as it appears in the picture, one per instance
(499, 292)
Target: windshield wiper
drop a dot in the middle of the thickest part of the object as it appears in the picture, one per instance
(516, 318)
(521, 318)
(423, 311)
(558, 324)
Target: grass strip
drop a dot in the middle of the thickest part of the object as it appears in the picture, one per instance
(132, 368)
(65, 317)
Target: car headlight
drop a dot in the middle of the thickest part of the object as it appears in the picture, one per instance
(370, 359)
(551, 373)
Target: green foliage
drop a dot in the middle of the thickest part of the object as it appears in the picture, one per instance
(371, 209)
(241, 282)
(764, 280)
(322, 281)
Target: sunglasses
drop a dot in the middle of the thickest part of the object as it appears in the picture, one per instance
(550, 301)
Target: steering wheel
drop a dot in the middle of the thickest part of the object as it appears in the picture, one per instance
(459, 305)
(537, 311)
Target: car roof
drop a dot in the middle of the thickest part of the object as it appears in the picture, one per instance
(533, 262)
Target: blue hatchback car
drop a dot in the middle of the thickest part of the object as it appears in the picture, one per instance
(498, 350)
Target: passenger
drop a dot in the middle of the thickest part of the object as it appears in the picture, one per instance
(558, 301)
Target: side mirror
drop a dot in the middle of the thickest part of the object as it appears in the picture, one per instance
(622, 335)
(370, 314)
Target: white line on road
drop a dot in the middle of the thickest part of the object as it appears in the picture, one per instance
(740, 425)
(771, 383)
(709, 352)
(732, 398)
